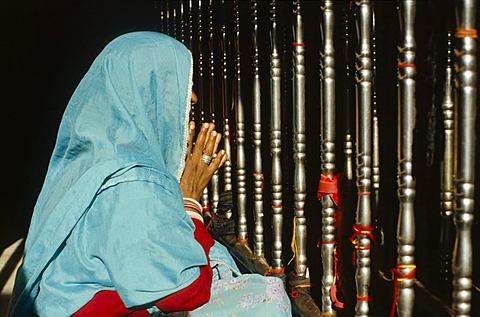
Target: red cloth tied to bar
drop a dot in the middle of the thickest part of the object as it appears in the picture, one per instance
(328, 186)
(360, 230)
(399, 276)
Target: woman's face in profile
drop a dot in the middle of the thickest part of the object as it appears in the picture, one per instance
(194, 98)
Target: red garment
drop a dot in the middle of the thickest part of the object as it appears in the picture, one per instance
(109, 303)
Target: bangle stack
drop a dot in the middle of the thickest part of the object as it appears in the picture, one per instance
(193, 208)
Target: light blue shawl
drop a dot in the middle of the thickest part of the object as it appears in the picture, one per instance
(128, 115)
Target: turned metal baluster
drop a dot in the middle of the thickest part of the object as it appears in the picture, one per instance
(447, 194)
(190, 25)
(182, 23)
(276, 146)
(466, 94)
(214, 183)
(348, 143)
(328, 154)
(205, 200)
(362, 228)
(174, 17)
(240, 136)
(162, 17)
(405, 271)
(375, 131)
(258, 244)
(226, 106)
(167, 17)
(299, 144)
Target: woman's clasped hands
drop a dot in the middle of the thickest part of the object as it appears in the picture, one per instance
(202, 160)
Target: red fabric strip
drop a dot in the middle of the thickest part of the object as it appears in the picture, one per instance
(399, 276)
(328, 186)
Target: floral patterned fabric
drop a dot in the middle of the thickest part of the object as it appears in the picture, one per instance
(236, 295)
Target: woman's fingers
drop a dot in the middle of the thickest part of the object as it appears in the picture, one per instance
(219, 160)
(191, 131)
(201, 140)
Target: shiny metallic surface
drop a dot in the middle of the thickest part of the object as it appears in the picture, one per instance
(375, 127)
(364, 155)
(466, 93)
(299, 140)
(447, 190)
(276, 144)
(205, 199)
(348, 147)
(240, 166)
(215, 182)
(328, 153)
(405, 179)
(226, 105)
(257, 140)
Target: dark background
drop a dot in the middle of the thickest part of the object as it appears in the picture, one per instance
(47, 46)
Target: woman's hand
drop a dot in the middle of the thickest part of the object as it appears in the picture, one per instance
(197, 173)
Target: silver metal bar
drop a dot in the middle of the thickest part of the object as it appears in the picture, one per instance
(174, 18)
(190, 25)
(215, 182)
(466, 93)
(299, 144)
(447, 193)
(258, 243)
(328, 153)
(226, 105)
(182, 22)
(276, 145)
(405, 271)
(375, 127)
(167, 17)
(348, 147)
(362, 227)
(162, 18)
(205, 200)
(241, 172)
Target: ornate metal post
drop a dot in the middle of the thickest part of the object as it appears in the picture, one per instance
(162, 18)
(299, 281)
(174, 23)
(276, 146)
(240, 137)
(405, 271)
(348, 143)
(299, 145)
(363, 229)
(257, 141)
(328, 179)
(182, 22)
(190, 25)
(376, 132)
(226, 105)
(205, 200)
(466, 103)
(214, 183)
(447, 194)
(167, 17)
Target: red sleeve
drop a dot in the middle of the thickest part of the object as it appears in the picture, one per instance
(109, 303)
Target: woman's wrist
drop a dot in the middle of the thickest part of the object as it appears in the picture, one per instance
(193, 208)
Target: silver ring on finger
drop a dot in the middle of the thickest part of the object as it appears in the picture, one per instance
(207, 159)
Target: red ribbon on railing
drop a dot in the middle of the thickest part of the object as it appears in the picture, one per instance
(399, 276)
(360, 230)
(463, 33)
(328, 186)
(333, 290)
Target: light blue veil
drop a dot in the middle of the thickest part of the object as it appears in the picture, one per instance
(130, 111)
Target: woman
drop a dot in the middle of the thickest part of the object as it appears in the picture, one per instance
(117, 229)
